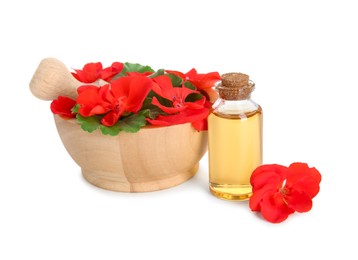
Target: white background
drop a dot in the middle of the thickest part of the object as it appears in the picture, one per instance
(303, 57)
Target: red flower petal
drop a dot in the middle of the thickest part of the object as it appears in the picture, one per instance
(191, 74)
(175, 119)
(62, 106)
(205, 81)
(86, 87)
(108, 73)
(168, 110)
(274, 209)
(90, 100)
(136, 73)
(304, 179)
(272, 174)
(90, 72)
(111, 118)
(176, 73)
(266, 180)
(163, 87)
(185, 116)
(134, 88)
(201, 81)
(196, 104)
(200, 125)
(198, 117)
(79, 75)
(159, 121)
(297, 168)
(93, 71)
(298, 201)
(258, 195)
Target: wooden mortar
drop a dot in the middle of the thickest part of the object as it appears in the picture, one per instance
(152, 159)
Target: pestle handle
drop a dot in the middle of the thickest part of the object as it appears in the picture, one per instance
(52, 79)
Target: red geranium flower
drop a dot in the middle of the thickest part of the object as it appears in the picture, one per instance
(177, 96)
(63, 106)
(94, 71)
(112, 100)
(180, 111)
(197, 117)
(279, 191)
(203, 82)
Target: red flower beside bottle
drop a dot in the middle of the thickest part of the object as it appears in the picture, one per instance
(136, 96)
(279, 191)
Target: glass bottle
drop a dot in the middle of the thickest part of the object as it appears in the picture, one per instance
(235, 138)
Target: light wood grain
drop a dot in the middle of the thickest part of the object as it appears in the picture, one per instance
(155, 158)
(152, 159)
(52, 79)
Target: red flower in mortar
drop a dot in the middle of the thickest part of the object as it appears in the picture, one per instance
(279, 191)
(94, 71)
(180, 110)
(177, 96)
(137, 96)
(63, 107)
(203, 82)
(121, 96)
(197, 117)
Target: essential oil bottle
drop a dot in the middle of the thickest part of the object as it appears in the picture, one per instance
(235, 138)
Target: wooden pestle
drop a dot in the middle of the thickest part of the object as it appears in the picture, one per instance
(52, 79)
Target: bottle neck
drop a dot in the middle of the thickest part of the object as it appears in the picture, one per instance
(235, 107)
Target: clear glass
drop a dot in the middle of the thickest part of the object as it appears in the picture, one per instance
(235, 147)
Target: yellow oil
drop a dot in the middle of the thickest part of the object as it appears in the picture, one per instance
(235, 150)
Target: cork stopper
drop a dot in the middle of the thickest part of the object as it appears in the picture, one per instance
(235, 86)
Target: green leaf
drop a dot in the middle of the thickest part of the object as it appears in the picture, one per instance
(164, 101)
(133, 123)
(189, 85)
(133, 67)
(88, 124)
(147, 103)
(75, 109)
(193, 97)
(110, 130)
(151, 94)
(157, 73)
(152, 113)
(176, 81)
